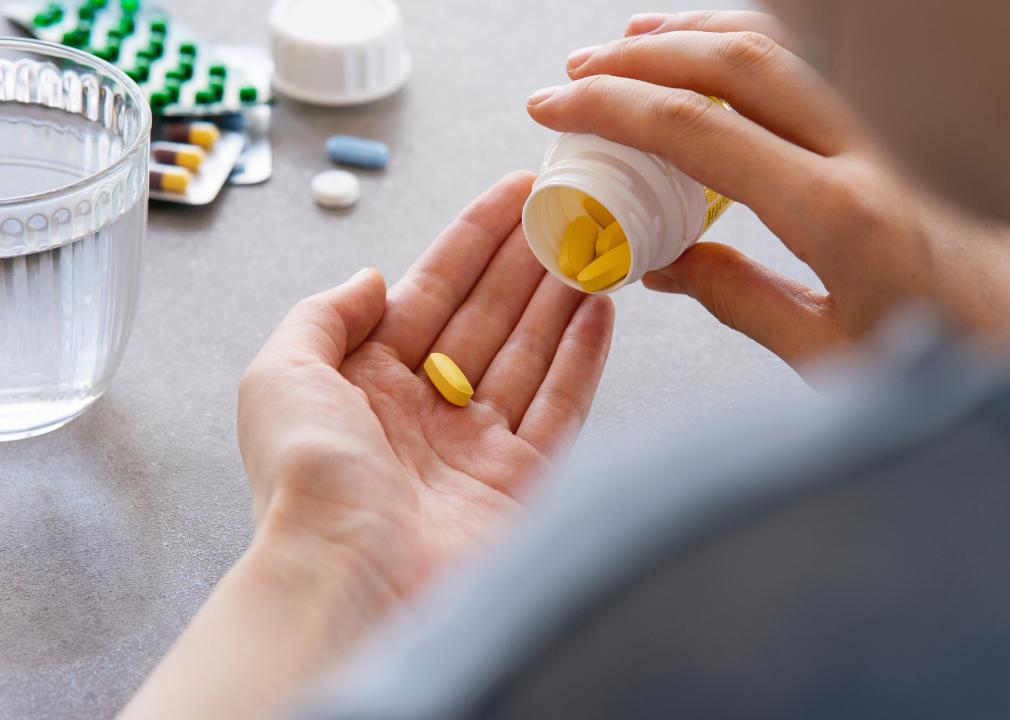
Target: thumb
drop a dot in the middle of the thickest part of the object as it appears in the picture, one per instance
(330, 324)
(785, 316)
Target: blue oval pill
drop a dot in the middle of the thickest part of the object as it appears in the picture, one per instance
(360, 152)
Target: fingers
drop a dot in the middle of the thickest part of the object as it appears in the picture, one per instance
(330, 324)
(716, 147)
(787, 318)
(485, 320)
(521, 365)
(562, 402)
(714, 21)
(758, 77)
(422, 302)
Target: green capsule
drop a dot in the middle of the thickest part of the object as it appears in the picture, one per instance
(109, 53)
(188, 49)
(159, 26)
(141, 72)
(86, 12)
(129, 7)
(114, 35)
(159, 99)
(77, 37)
(247, 94)
(126, 25)
(145, 56)
(173, 89)
(49, 16)
(156, 48)
(218, 70)
(217, 87)
(186, 68)
(176, 76)
(98, 4)
(205, 97)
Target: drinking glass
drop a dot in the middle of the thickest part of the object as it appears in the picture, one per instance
(74, 145)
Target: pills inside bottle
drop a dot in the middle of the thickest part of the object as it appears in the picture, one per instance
(644, 210)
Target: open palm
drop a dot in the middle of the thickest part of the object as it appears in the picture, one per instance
(344, 437)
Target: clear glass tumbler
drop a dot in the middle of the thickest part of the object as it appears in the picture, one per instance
(74, 144)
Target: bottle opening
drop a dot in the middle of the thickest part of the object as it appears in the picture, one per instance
(583, 260)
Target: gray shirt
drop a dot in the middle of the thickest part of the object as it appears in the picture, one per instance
(845, 558)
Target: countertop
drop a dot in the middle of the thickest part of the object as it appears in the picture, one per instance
(115, 528)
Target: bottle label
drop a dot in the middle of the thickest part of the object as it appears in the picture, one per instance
(715, 203)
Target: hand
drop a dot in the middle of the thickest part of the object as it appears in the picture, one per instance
(364, 479)
(350, 450)
(796, 155)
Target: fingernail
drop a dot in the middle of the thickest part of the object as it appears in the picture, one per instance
(645, 23)
(358, 276)
(540, 95)
(578, 57)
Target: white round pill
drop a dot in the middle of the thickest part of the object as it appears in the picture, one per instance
(336, 189)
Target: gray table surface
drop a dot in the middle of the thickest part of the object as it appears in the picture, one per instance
(115, 528)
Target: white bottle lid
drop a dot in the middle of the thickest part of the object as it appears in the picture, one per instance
(338, 52)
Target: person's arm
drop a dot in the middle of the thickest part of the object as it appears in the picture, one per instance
(365, 481)
(796, 155)
(278, 617)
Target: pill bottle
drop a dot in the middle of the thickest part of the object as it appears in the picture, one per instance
(661, 210)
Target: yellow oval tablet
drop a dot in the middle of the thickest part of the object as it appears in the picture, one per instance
(448, 379)
(607, 269)
(578, 245)
(597, 211)
(612, 236)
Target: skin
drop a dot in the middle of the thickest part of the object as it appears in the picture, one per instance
(801, 160)
(366, 483)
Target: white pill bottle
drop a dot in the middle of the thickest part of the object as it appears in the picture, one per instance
(661, 210)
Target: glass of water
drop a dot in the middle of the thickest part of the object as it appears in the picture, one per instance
(74, 144)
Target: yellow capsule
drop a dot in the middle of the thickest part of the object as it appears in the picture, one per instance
(168, 178)
(611, 237)
(607, 269)
(578, 245)
(597, 212)
(204, 134)
(190, 157)
(448, 379)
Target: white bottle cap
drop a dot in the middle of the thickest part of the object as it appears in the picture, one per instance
(338, 52)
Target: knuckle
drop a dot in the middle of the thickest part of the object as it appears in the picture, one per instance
(851, 200)
(683, 109)
(625, 54)
(593, 89)
(746, 50)
(699, 19)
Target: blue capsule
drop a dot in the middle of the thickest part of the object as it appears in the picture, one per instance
(360, 152)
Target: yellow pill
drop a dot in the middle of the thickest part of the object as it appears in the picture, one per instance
(612, 236)
(607, 269)
(168, 178)
(448, 379)
(204, 134)
(187, 156)
(597, 212)
(578, 245)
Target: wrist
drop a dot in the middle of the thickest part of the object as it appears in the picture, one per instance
(321, 573)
